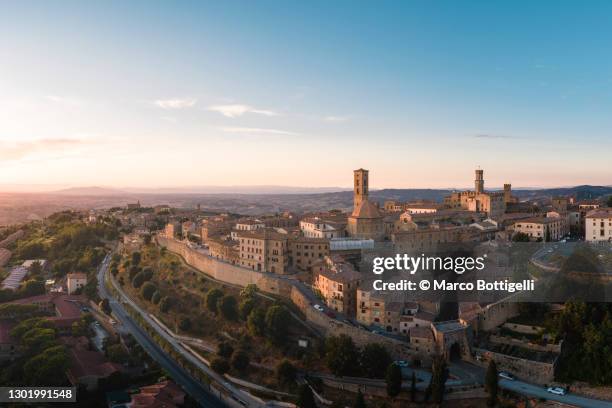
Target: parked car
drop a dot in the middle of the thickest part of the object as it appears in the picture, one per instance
(319, 308)
(401, 363)
(506, 376)
(331, 314)
(112, 321)
(556, 390)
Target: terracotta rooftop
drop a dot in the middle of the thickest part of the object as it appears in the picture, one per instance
(600, 213)
(85, 363)
(421, 333)
(366, 210)
(165, 394)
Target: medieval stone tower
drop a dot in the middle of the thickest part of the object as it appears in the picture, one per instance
(507, 193)
(360, 188)
(479, 181)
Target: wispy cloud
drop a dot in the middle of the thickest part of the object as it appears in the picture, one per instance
(235, 110)
(493, 136)
(176, 103)
(257, 131)
(15, 150)
(336, 118)
(65, 100)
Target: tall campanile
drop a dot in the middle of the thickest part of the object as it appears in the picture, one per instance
(479, 181)
(360, 188)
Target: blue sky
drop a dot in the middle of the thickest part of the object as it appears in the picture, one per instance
(301, 93)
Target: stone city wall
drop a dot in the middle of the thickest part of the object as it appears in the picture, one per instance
(530, 370)
(272, 284)
(522, 328)
(551, 347)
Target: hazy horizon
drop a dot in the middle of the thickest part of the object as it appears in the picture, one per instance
(239, 189)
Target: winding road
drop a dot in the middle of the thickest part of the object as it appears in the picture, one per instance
(193, 387)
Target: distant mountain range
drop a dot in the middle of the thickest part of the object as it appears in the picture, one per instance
(581, 192)
(22, 206)
(262, 189)
(338, 193)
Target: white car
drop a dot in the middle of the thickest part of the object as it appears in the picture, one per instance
(112, 321)
(556, 390)
(506, 376)
(319, 308)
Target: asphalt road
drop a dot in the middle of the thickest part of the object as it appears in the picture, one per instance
(469, 372)
(193, 387)
(540, 392)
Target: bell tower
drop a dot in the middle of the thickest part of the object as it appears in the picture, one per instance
(360, 187)
(479, 181)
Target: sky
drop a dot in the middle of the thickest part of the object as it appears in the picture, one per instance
(172, 94)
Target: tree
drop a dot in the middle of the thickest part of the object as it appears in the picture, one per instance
(35, 268)
(341, 355)
(156, 297)
(185, 324)
(212, 299)
(246, 306)
(256, 322)
(285, 373)
(32, 288)
(165, 304)
(105, 306)
(305, 397)
(520, 237)
(47, 368)
(134, 270)
(249, 291)
(228, 306)
(240, 360)
(224, 349)
(148, 289)
(359, 400)
(394, 380)
(138, 280)
(220, 365)
(609, 202)
(491, 383)
(375, 360)
(439, 375)
(413, 387)
(277, 319)
(136, 257)
(117, 353)
(147, 239)
(79, 328)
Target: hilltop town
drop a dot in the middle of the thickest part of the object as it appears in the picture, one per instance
(280, 306)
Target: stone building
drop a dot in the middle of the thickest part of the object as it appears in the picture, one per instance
(305, 252)
(429, 238)
(366, 220)
(216, 226)
(338, 282)
(491, 203)
(264, 250)
(543, 228)
(598, 225)
(224, 249)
